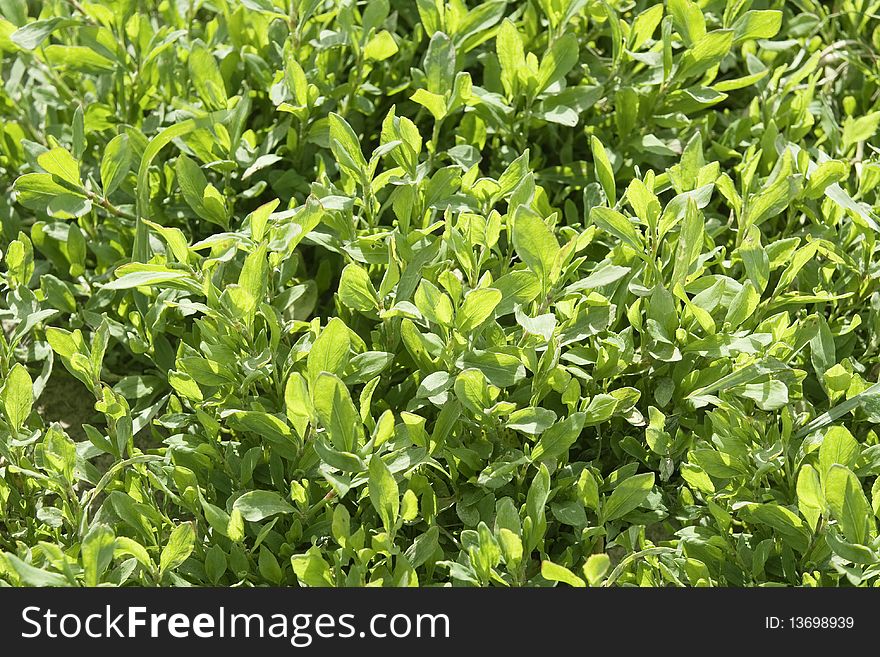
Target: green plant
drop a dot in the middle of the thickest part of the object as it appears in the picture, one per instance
(429, 293)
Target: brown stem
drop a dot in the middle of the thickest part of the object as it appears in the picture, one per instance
(81, 10)
(109, 207)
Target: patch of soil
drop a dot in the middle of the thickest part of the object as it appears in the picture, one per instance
(68, 402)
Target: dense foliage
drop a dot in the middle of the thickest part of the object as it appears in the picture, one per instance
(428, 293)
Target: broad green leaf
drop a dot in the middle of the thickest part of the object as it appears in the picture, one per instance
(558, 61)
(848, 504)
(33, 34)
(511, 55)
(627, 495)
(40, 191)
(860, 128)
(17, 396)
(115, 163)
(97, 552)
(381, 47)
(384, 493)
(604, 172)
(784, 521)
(838, 447)
(434, 305)
(688, 20)
(811, 500)
(257, 505)
(346, 146)
(535, 245)
(556, 573)
(439, 64)
(532, 420)
(330, 351)
(59, 162)
(707, 52)
(557, 440)
(178, 548)
(595, 568)
(757, 24)
(617, 225)
(206, 77)
(311, 569)
(356, 289)
(478, 306)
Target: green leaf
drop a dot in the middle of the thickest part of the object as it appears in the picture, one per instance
(32, 576)
(848, 503)
(784, 521)
(825, 174)
(769, 395)
(178, 548)
(859, 129)
(263, 424)
(690, 243)
(356, 289)
(329, 353)
(707, 52)
(502, 370)
(532, 420)
(617, 225)
(478, 306)
(346, 146)
(542, 325)
(17, 396)
(557, 573)
(472, 390)
(268, 566)
(627, 495)
(194, 187)
(434, 305)
(535, 245)
(811, 499)
(434, 103)
(78, 58)
(757, 24)
(206, 77)
(439, 64)
(600, 409)
(33, 34)
(59, 162)
(604, 172)
(559, 438)
(643, 28)
(381, 47)
(558, 61)
(423, 546)
(311, 569)
(336, 411)
(838, 447)
(688, 20)
(253, 282)
(595, 568)
(384, 493)
(97, 552)
(511, 55)
(115, 164)
(133, 276)
(40, 191)
(536, 501)
(257, 505)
